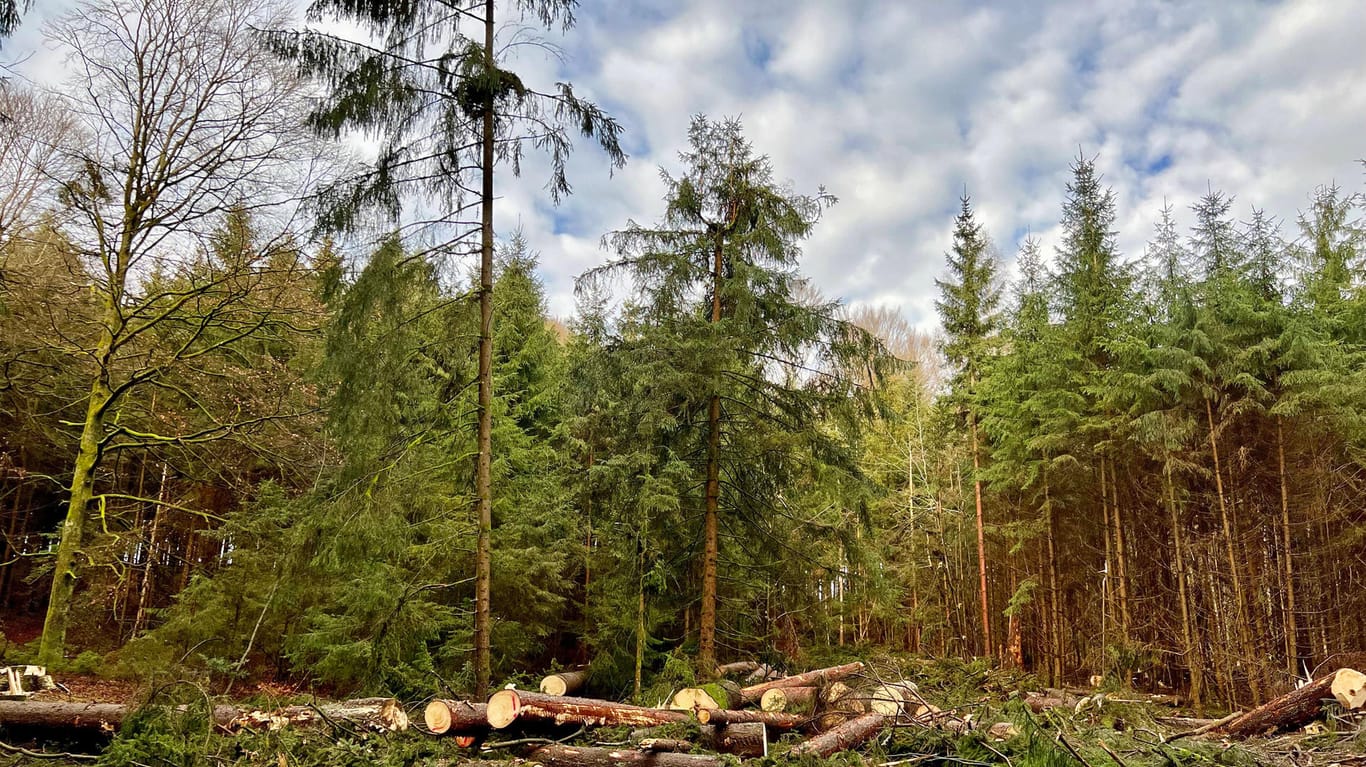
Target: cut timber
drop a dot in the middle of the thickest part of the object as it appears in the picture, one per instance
(670, 745)
(558, 755)
(1349, 687)
(763, 673)
(564, 682)
(508, 706)
(886, 699)
(775, 719)
(1292, 710)
(737, 668)
(457, 717)
(789, 699)
(724, 694)
(849, 735)
(745, 740)
(821, 676)
(376, 713)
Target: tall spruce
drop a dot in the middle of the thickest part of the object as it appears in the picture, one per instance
(969, 305)
(430, 83)
(739, 368)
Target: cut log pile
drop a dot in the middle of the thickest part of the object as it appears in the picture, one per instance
(835, 709)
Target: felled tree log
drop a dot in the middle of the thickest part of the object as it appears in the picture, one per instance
(376, 713)
(508, 706)
(819, 677)
(745, 740)
(456, 717)
(1298, 707)
(670, 745)
(849, 735)
(789, 699)
(558, 755)
(775, 719)
(724, 694)
(763, 673)
(737, 668)
(564, 683)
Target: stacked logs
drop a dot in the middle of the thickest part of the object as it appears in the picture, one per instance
(835, 708)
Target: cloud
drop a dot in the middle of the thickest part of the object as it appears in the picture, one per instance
(897, 107)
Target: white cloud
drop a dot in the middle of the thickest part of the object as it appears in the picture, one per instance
(895, 106)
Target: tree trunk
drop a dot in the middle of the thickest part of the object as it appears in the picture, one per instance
(746, 741)
(81, 491)
(1248, 657)
(1292, 631)
(737, 668)
(706, 644)
(851, 734)
(817, 678)
(559, 755)
(564, 683)
(483, 480)
(508, 706)
(379, 713)
(1190, 647)
(1121, 558)
(788, 699)
(775, 719)
(981, 538)
(456, 717)
(1055, 606)
(1295, 708)
(151, 551)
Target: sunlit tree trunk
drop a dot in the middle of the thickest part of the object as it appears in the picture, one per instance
(706, 645)
(1292, 630)
(981, 538)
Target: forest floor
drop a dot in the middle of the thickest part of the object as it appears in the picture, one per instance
(1098, 733)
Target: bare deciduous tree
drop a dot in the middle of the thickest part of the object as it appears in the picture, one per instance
(190, 120)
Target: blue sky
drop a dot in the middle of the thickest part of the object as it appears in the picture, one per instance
(897, 106)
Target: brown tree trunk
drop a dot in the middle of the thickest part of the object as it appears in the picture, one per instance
(981, 539)
(483, 480)
(508, 706)
(706, 644)
(558, 755)
(1055, 594)
(1190, 647)
(1247, 655)
(1292, 631)
(851, 734)
(1291, 710)
(775, 719)
(151, 550)
(1121, 558)
(383, 713)
(456, 717)
(817, 678)
(564, 683)
(746, 741)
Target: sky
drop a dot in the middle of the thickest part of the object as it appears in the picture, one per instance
(897, 107)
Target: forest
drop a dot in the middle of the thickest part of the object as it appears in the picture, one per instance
(280, 405)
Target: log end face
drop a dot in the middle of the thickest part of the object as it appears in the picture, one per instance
(1349, 688)
(554, 685)
(503, 709)
(437, 716)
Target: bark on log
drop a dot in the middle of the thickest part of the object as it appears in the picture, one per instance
(745, 740)
(1289, 711)
(774, 719)
(821, 676)
(457, 717)
(737, 668)
(849, 735)
(670, 745)
(557, 755)
(724, 694)
(564, 683)
(508, 706)
(379, 713)
(764, 673)
(789, 699)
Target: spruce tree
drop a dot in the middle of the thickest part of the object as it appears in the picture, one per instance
(968, 306)
(434, 90)
(735, 368)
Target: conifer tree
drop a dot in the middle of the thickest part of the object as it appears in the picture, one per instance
(968, 306)
(734, 366)
(434, 90)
